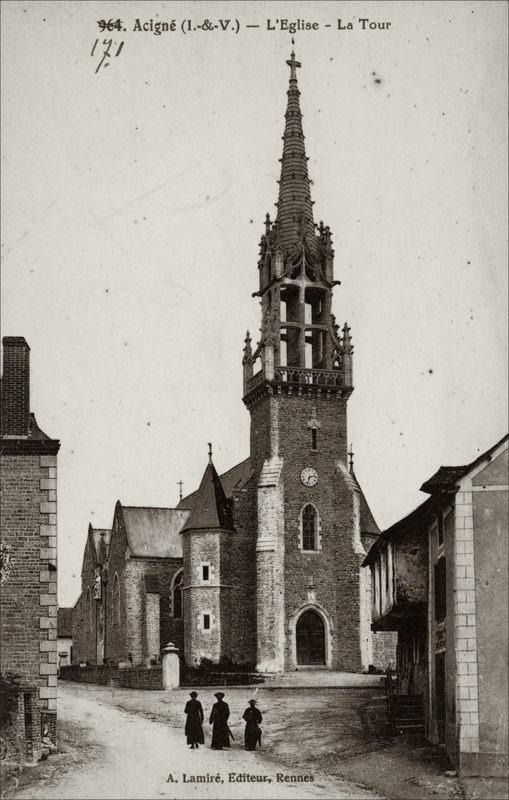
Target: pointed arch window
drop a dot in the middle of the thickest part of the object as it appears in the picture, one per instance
(310, 528)
(88, 612)
(177, 604)
(116, 600)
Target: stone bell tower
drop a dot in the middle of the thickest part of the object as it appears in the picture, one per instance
(297, 382)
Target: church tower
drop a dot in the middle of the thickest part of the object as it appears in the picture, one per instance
(310, 598)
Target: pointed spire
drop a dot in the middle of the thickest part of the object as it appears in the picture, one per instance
(211, 509)
(294, 221)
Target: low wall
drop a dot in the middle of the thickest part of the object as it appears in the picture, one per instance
(151, 677)
(125, 678)
(197, 677)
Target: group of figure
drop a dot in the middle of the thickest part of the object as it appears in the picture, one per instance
(221, 732)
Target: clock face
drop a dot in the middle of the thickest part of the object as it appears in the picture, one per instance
(309, 476)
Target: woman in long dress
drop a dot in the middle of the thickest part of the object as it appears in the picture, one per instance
(219, 721)
(194, 722)
(252, 733)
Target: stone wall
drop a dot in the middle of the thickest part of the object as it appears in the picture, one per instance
(160, 573)
(203, 597)
(29, 595)
(84, 620)
(240, 561)
(327, 580)
(128, 678)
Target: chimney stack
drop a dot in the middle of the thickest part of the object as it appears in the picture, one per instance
(15, 386)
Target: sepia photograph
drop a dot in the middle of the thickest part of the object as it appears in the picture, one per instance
(254, 408)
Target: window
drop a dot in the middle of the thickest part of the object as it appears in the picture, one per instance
(116, 600)
(88, 612)
(206, 622)
(178, 581)
(309, 528)
(91, 610)
(440, 590)
(440, 529)
(205, 572)
(314, 438)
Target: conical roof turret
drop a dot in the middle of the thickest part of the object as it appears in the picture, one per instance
(211, 509)
(294, 221)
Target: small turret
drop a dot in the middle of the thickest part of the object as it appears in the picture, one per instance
(247, 361)
(347, 348)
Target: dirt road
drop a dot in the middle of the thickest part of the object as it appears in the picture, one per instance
(114, 754)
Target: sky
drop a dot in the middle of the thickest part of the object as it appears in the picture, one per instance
(133, 201)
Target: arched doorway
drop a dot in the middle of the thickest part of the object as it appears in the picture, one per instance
(310, 637)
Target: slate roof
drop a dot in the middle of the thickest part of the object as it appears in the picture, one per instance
(439, 486)
(367, 521)
(64, 622)
(154, 532)
(446, 478)
(211, 508)
(233, 479)
(418, 518)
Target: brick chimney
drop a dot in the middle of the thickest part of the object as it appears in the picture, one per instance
(15, 386)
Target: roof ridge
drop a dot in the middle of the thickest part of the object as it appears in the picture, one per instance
(154, 508)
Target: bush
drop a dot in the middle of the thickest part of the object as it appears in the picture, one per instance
(9, 691)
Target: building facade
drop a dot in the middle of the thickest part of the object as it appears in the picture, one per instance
(440, 579)
(272, 550)
(130, 604)
(28, 633)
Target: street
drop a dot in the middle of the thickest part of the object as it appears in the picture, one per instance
(117, 754)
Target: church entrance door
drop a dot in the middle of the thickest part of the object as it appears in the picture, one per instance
(310, 634)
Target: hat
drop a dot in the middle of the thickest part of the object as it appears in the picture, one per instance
(219, 695)
(193, 694)
(252, 702)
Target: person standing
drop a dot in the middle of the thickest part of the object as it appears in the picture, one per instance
(253, 732)
(194, 722)
(219, 721)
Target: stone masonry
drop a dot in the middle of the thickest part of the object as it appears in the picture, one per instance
(29, 531)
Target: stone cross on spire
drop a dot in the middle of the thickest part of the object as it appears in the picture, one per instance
(293, 64)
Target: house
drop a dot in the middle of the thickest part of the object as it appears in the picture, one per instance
(28, 627)
(440, 579)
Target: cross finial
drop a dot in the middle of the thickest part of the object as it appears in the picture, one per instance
(293, 64)
(210, 452)
(351, 455)
(180, 485)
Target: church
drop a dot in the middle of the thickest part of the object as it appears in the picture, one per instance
(262, 565)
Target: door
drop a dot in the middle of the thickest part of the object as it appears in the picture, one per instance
(310, 634)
